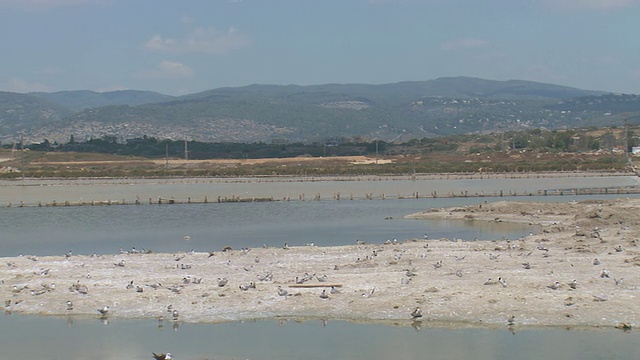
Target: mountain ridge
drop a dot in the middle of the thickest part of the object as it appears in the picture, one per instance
(312, 113)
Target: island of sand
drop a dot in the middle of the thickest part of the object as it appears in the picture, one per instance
(579, 269)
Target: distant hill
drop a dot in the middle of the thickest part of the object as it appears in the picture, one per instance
(398, 111)
(85, 99)
(20, 112)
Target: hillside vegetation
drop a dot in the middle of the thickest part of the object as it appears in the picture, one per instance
(593, 149)
(273, 113)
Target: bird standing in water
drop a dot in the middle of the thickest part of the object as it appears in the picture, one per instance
(166, 356)
(104, 311)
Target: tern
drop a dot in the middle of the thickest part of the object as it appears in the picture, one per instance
(369, 293)
(324, 294)
(104, 311)
(416, 313)
(554, 286)
(166, 356)
(282, 292)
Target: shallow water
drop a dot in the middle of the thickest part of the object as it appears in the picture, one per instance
(32, 338)
(106, 229)
(45, 191)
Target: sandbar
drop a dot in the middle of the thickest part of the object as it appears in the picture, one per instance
(520, 282)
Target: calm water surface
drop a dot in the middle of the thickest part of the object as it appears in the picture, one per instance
(162, 228)
(32, 338)
(105, 229)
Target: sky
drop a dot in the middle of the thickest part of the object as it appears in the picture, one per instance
(183, 47)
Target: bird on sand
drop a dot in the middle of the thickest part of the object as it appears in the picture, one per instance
(324, 294)
(69, 305)
(282, 292)
(554, 286)
(416, 313)
(369, 293)
(166, 356)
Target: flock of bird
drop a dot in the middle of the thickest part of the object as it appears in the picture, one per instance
(245, 271)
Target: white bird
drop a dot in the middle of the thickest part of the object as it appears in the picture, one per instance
(324, 294)
(410, 273)
(268, 276)
(554, 286)
(416, 313)
(245, 287)
(166, 356)
(282, 292)
(69, 305)
(223, 281)
(104, 311)
(489, 281)
(369, 293)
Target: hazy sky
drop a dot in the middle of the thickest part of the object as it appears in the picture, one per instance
(178, 47)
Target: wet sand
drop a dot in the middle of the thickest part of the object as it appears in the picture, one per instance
(479, 283)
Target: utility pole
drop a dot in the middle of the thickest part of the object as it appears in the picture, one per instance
(626, 141)
(22, 155)
(376, 150)
(166, 157)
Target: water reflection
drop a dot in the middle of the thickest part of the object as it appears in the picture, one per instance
(70, 338)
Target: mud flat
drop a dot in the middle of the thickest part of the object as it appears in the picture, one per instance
(478, 283)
